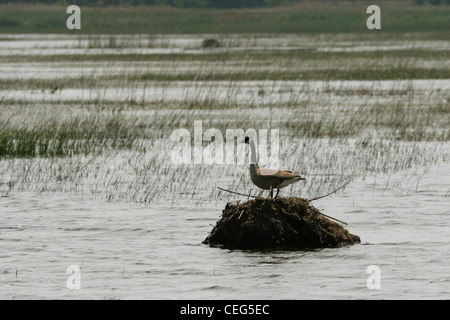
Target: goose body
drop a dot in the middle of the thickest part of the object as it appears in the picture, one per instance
(266, 178)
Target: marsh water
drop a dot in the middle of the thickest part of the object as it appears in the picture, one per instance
(129, 251)
(134, 224)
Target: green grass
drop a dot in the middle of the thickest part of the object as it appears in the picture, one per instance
(35, 143)
(302, 18)
(65, 138)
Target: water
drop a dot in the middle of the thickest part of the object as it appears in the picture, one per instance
(55, 214)
(127, 251)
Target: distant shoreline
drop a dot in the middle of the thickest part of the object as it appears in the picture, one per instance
(307, 17)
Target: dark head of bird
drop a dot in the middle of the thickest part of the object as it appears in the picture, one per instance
(247, 140)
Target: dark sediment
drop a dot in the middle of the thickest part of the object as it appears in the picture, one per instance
(281, 222)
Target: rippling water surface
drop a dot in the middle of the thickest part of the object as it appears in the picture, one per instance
(128, 251)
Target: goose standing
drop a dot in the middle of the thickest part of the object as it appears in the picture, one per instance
(269, 179)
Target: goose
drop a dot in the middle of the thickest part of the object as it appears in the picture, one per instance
(269, 179)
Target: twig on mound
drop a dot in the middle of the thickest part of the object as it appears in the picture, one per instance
(241, 194)
(329, 217)
(329, 194)
(334, 219)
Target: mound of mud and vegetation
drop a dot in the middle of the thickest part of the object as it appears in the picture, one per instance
(282, 222)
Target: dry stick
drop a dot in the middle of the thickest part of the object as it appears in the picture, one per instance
(330, 217)
(331, 192)
(329, 195)
(241, 194)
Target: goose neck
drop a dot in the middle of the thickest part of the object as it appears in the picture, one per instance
(254, 158)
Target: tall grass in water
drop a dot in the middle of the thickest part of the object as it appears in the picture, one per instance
(112, 137)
